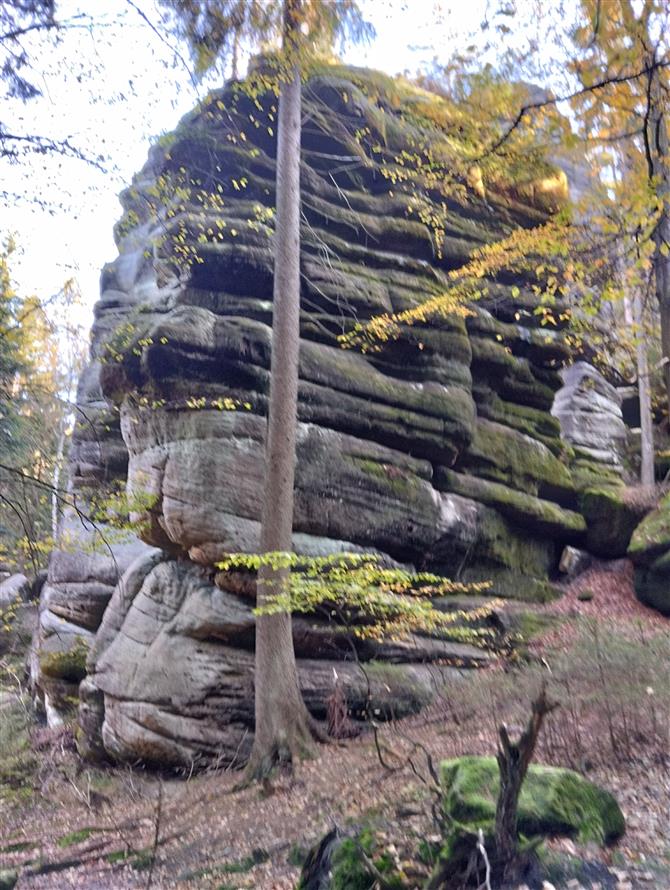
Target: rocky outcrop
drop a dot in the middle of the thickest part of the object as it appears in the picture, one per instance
(83, 574)
(650, 551)
(173, 661)
(438, 450)
(589, 411)
(14, 589)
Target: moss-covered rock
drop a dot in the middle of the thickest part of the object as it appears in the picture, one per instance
(589, 473)
(479, 544)
(349, 862)
(553, 801)
(652, 583)
(650, 551)
(611, 519)
(184, 328)
(68, 665)
(651, 538)
(512, 583)
(8, 878)
(508, 456)
(539, 517)
(535, 423)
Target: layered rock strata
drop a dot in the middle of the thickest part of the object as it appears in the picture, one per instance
(438, 450)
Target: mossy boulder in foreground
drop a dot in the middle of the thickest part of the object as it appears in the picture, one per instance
(352, 860)
(553, 801)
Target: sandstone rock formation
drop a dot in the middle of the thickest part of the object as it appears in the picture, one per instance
(589, 411)
(439, 450)
(650, 551)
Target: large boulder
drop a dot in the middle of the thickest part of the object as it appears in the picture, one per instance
(436, 451)
(553, 801)
(13, 590)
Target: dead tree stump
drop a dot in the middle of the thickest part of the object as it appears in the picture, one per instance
(514, 758)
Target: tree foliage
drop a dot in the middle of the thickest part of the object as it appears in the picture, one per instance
(357, 590)
(217, 30)
(40, 357)
(18, 19)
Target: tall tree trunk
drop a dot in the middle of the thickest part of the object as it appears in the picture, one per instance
(634, 319)
(644, 394)
(656, 145)
(235, 54)
(283, 725)
(55, 483)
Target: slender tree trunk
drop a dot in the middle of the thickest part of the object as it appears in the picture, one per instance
(658, 157)
(234, 59)
(55, 483)
(662, 276)
(634, 319)
(283, 724)
(644, 394)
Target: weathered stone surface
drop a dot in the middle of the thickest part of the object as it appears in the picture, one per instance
(479, 544)
(209, 497)
(14, 589)
(574, 561)
(589, 411)
(540, 517)
(18, 628)
(436, 451)
(650, 551)
(612, 517)
(74, 597)
(171, 670)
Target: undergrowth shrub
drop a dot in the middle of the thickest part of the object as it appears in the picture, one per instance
(614, 692)
(17, 761)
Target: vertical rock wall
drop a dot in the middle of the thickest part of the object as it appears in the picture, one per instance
(439, 450)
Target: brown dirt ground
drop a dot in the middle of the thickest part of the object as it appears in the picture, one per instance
(209, 837)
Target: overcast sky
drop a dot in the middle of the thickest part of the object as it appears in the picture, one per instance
(111, 89)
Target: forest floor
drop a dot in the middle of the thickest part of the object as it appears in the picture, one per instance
(65, 825)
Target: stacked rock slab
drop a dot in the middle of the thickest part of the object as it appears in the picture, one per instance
(82, 576)
(438, 450)
(589, 410)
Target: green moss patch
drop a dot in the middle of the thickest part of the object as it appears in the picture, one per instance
(69, 665)
(529, 625)
(538, 516)
(75, 837)
(18, 847)
(553, 801)
(651, 538)
(610, 519)
(241, 866)
(508, 456)
(652, 584)
(347, 862)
